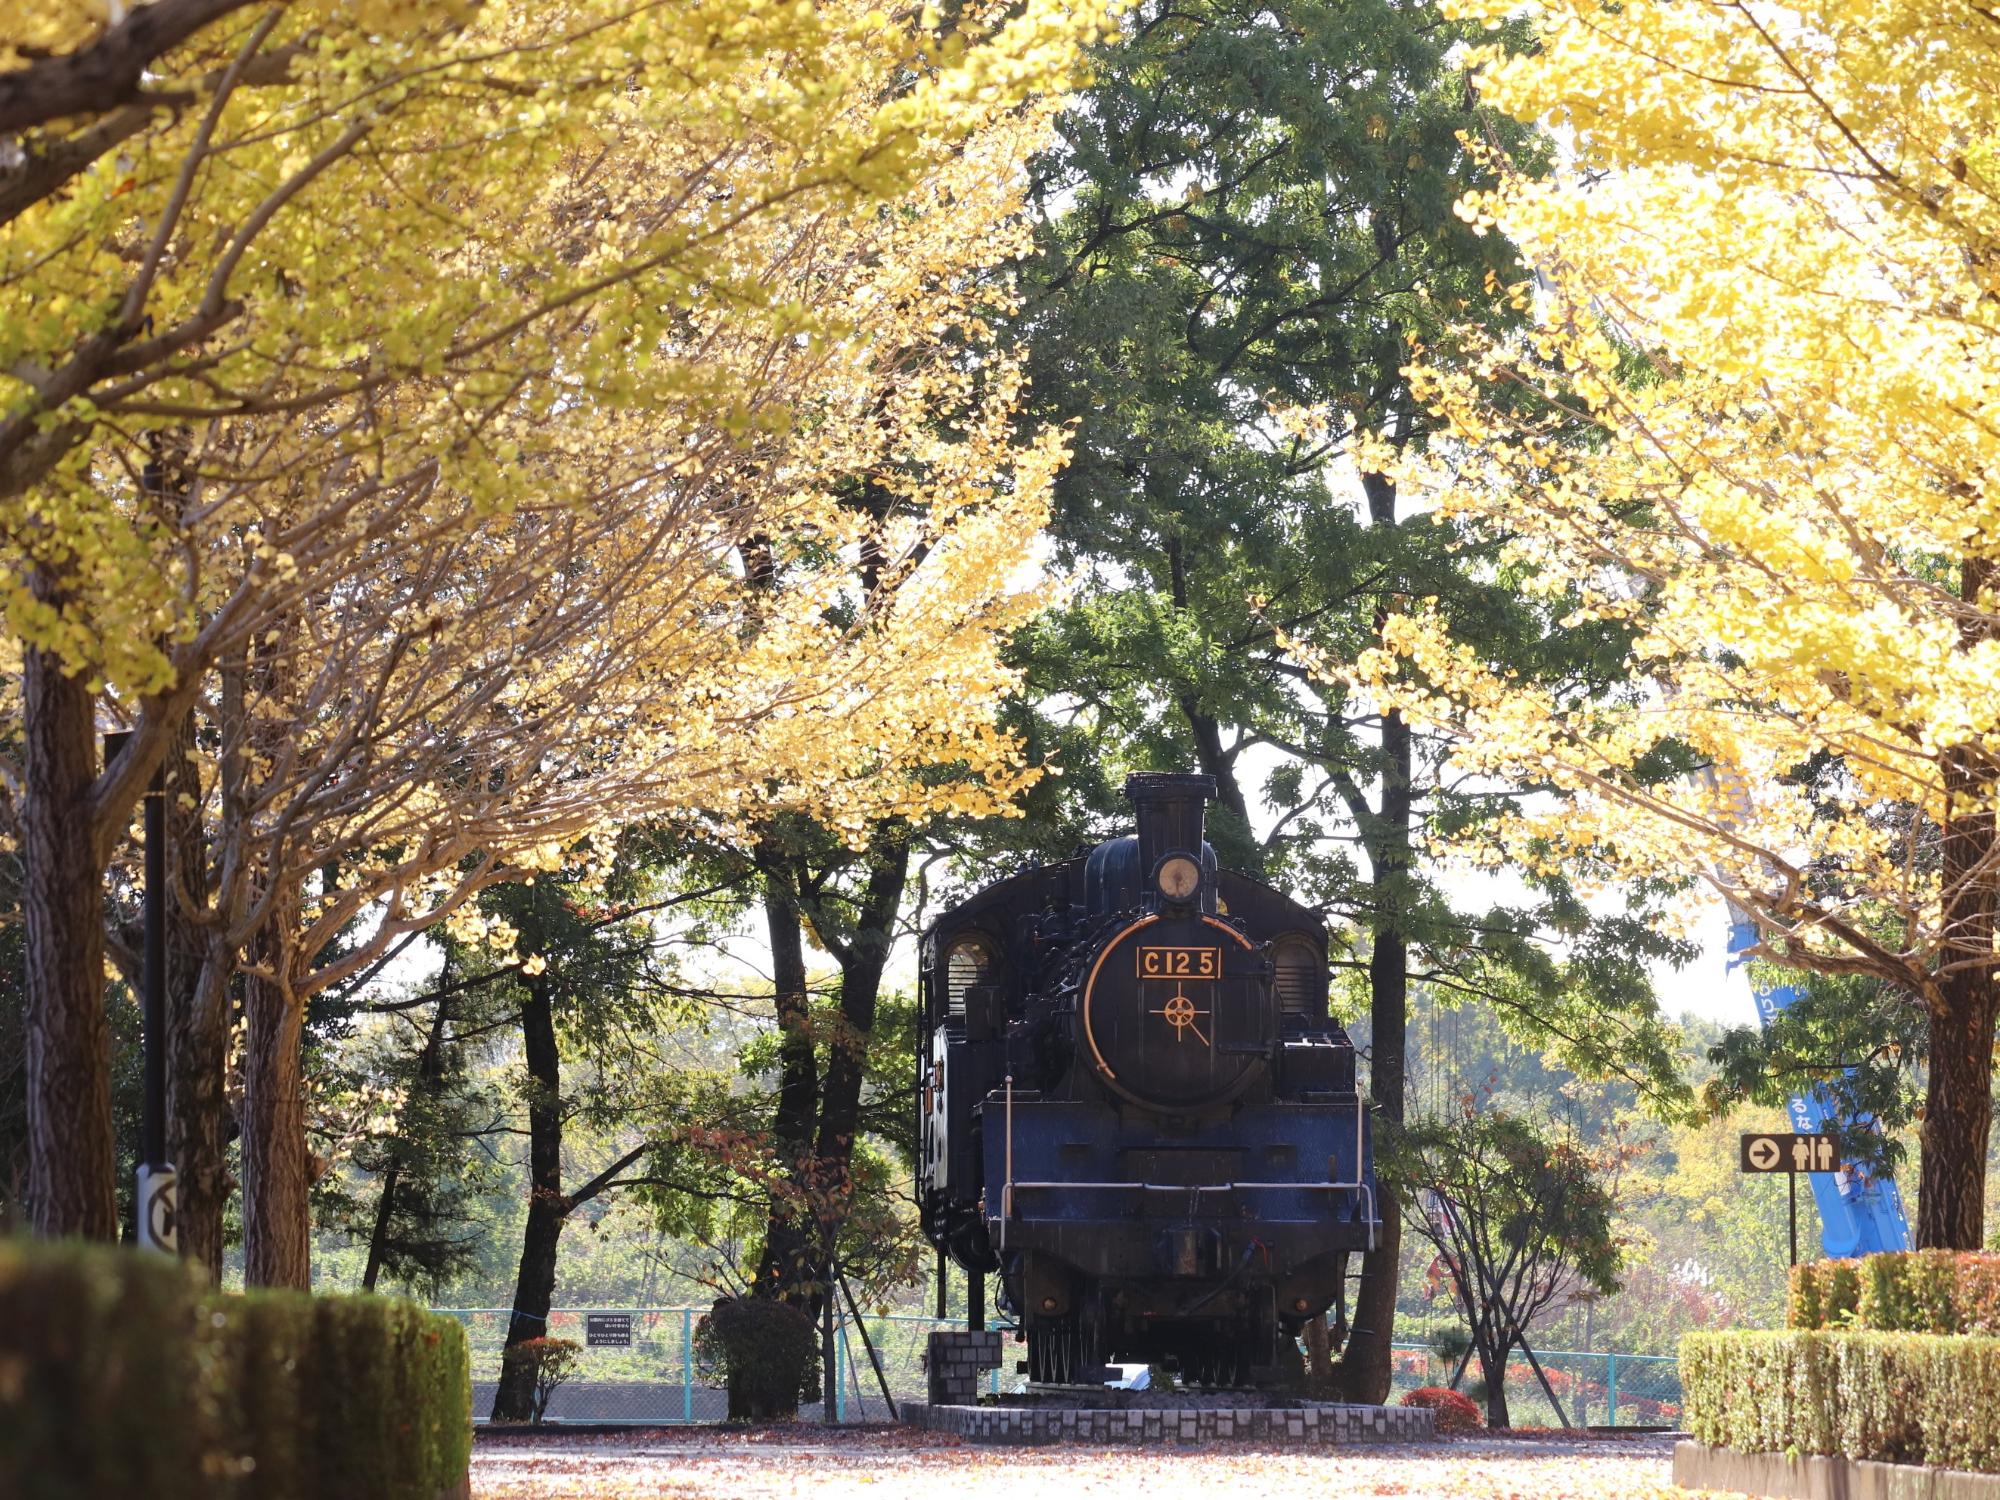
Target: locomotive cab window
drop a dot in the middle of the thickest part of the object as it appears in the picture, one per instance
(1298, 976)
(969, 964)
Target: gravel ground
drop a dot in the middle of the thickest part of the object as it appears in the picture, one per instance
(895, 1464)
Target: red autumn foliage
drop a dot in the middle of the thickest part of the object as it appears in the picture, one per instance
(1455, 1413)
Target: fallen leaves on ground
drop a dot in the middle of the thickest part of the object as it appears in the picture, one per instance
(706, 1463)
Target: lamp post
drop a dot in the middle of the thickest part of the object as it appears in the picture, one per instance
(157, 1198)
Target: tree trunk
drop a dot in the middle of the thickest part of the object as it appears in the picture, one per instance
(198, 1113)
(788, 1268)
(1958, 1118)
(277, 1212)
(535, 1281)
(862, 961)
(71, 1161)
(1493, 1372)
(1233, 831)
(1365, 1369)
(1319, 1350)
(1958, 1100)
(198, 974)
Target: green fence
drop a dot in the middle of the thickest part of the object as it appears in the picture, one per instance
(1596, 1387)
(653, 1380)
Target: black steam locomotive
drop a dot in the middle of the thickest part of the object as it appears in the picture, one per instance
(1134, 1108)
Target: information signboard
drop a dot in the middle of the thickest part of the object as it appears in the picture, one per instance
(607, 1330)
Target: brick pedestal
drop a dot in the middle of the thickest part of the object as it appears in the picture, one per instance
(955, 1361)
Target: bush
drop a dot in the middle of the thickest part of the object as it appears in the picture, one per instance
(550, 1362)
(1908, 1291)
(100, 1363)
(121, 1373)
(765, 1350)
(1455, 1412)
(1898, 1397)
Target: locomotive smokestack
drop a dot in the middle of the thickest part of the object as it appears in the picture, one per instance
(1170, 810)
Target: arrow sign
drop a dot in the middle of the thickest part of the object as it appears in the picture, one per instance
(1786, 1151)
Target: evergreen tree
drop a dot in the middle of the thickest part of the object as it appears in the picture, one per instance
(1246, 223)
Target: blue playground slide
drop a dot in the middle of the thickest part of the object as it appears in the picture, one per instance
(1858, 1214)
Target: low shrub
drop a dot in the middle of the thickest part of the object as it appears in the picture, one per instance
(101, 1358)
(121, 1373)
(549, 1363)
(766, 1351)
(1897, 1397)
(1456, 1412)
(1907, 1291)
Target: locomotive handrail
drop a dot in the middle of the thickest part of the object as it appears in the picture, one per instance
(1201, 1187)
(1365, 1191)
(1007, 1187)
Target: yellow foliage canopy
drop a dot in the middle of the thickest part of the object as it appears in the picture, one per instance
(501, 420)
(1769, 295)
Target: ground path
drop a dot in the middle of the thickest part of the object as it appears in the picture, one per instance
(893, 1464)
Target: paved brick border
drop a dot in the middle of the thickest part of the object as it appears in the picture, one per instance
(1306, 1426)
(1817, 1477)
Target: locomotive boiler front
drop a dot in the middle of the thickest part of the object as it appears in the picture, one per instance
(1176, 1012)
(1135, 1109)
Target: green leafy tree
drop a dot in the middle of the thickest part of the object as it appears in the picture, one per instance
(1862, 1042)
(429, 1160)
(1246, 223)
(1521, 1217)
(584, 997)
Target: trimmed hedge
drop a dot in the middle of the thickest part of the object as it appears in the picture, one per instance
(122, 1373)
(1920, 1398)
(1905, 1291)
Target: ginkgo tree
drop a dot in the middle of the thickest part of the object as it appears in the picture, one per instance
(485, 344)
(1768, 299)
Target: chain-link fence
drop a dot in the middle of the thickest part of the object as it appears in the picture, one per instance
(1595, 1387)
(652, 1379)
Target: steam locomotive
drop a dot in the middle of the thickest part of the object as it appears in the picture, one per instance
(1134, 1108)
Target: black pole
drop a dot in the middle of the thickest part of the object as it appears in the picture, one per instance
(943, 1292)
(153, 1128)
(829, 1384)
(154, 1206)
(869, 1344)
(1792, 1183)
(975, 1301)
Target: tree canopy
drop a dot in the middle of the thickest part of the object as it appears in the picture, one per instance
(1788, 500)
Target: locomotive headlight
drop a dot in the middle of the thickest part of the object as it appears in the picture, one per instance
(1179, 878)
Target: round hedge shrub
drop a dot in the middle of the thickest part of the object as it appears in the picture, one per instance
(766, 1351)
(1455, 1412)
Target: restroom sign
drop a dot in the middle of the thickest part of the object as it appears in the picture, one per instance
(1789, 1151)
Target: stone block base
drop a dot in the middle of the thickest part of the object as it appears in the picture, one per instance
(1815, 1477)
(1302, 1426)
(953, 1363)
